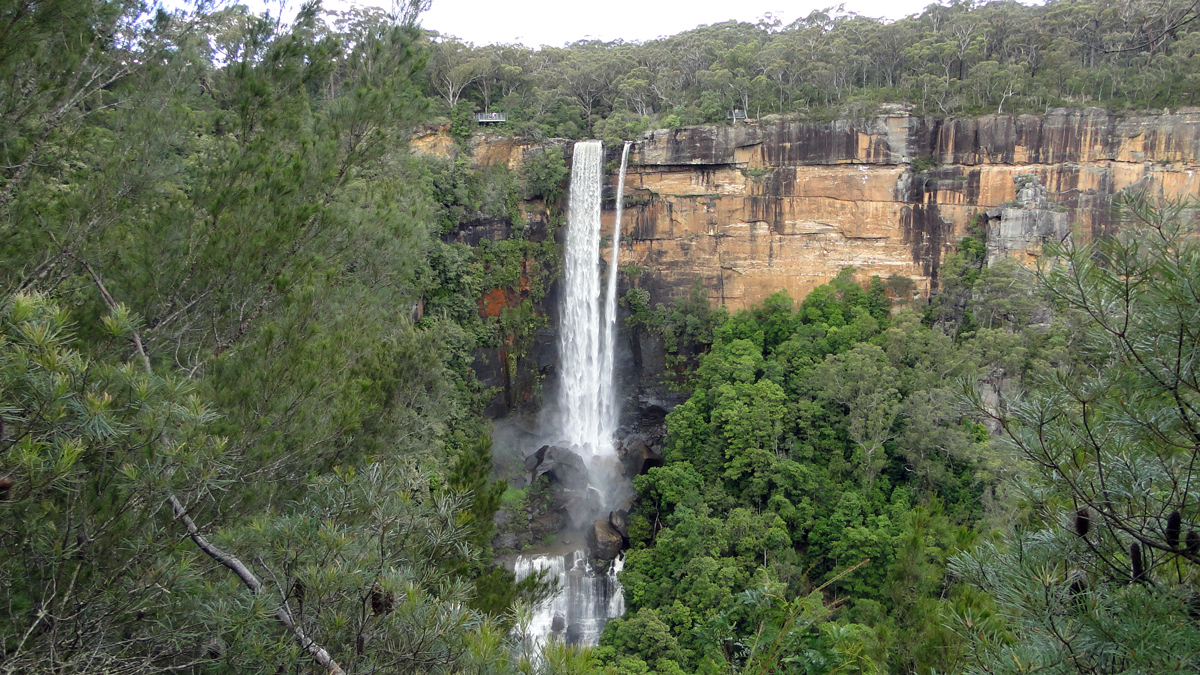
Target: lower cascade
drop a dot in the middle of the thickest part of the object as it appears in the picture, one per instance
(586, 600)
(592, 478)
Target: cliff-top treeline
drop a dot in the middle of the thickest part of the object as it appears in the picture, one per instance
(958, 58)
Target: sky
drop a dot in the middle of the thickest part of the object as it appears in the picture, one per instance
(557, 22)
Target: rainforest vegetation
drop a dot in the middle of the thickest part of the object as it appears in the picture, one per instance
(241, 427)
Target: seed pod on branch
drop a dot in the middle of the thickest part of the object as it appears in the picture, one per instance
(1174, 524)
(1078, 587)
(1192, 542)
(1135, 557)
(381, 600)
(1083, 521)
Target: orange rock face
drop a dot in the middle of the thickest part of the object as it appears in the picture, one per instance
(749, 209)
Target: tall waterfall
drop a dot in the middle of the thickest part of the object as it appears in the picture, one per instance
(587, 399)
(581, 344)
(610, 414)
(588, 407)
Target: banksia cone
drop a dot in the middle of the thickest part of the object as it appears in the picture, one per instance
(215, 649)
(1083, 522)
(299, 590)
(1135, 556)
(1174, 524)
(1192, 542)
(381, 600)
(5, 489)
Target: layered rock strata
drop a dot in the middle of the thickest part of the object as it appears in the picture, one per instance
(750, 209)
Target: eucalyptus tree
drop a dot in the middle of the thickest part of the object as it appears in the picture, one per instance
(454, 66)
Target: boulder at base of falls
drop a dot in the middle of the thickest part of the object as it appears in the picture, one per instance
(604, 540)
(533, 461)
(619, 521)
(562, 465)
(638, 456)
(583, 506)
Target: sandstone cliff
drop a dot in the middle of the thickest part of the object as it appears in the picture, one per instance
(750, 209)
(756, 207)
(753, 208)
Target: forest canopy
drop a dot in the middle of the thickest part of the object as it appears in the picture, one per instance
(956, 58)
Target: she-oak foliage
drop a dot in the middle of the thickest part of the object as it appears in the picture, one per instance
(217, 294)
(1098, 578)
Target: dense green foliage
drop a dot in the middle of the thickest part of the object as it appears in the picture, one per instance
(821, 447)
(685, 328)
(832, 502)
(226, 306)
(957, 58)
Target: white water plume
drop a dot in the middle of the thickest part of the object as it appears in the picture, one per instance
(588, 412)
(585, 602)
(581, 342)
(610, 413)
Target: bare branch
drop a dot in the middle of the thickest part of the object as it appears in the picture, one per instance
(236, 566)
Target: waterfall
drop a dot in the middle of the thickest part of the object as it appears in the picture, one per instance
(580, 340)
(585, 601)
(588, 404)
(610, 413)
(589, 408)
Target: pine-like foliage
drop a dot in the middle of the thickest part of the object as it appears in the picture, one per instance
(93, 575)
(1118, 435)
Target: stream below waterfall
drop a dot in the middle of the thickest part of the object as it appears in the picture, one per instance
(584, 461)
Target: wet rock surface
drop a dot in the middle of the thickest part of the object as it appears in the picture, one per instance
(582, 506)
(604, 541)
(561, 465)
(638, 456)
(620, 522)
(557, 510)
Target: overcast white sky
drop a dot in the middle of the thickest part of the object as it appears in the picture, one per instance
(557, 22)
